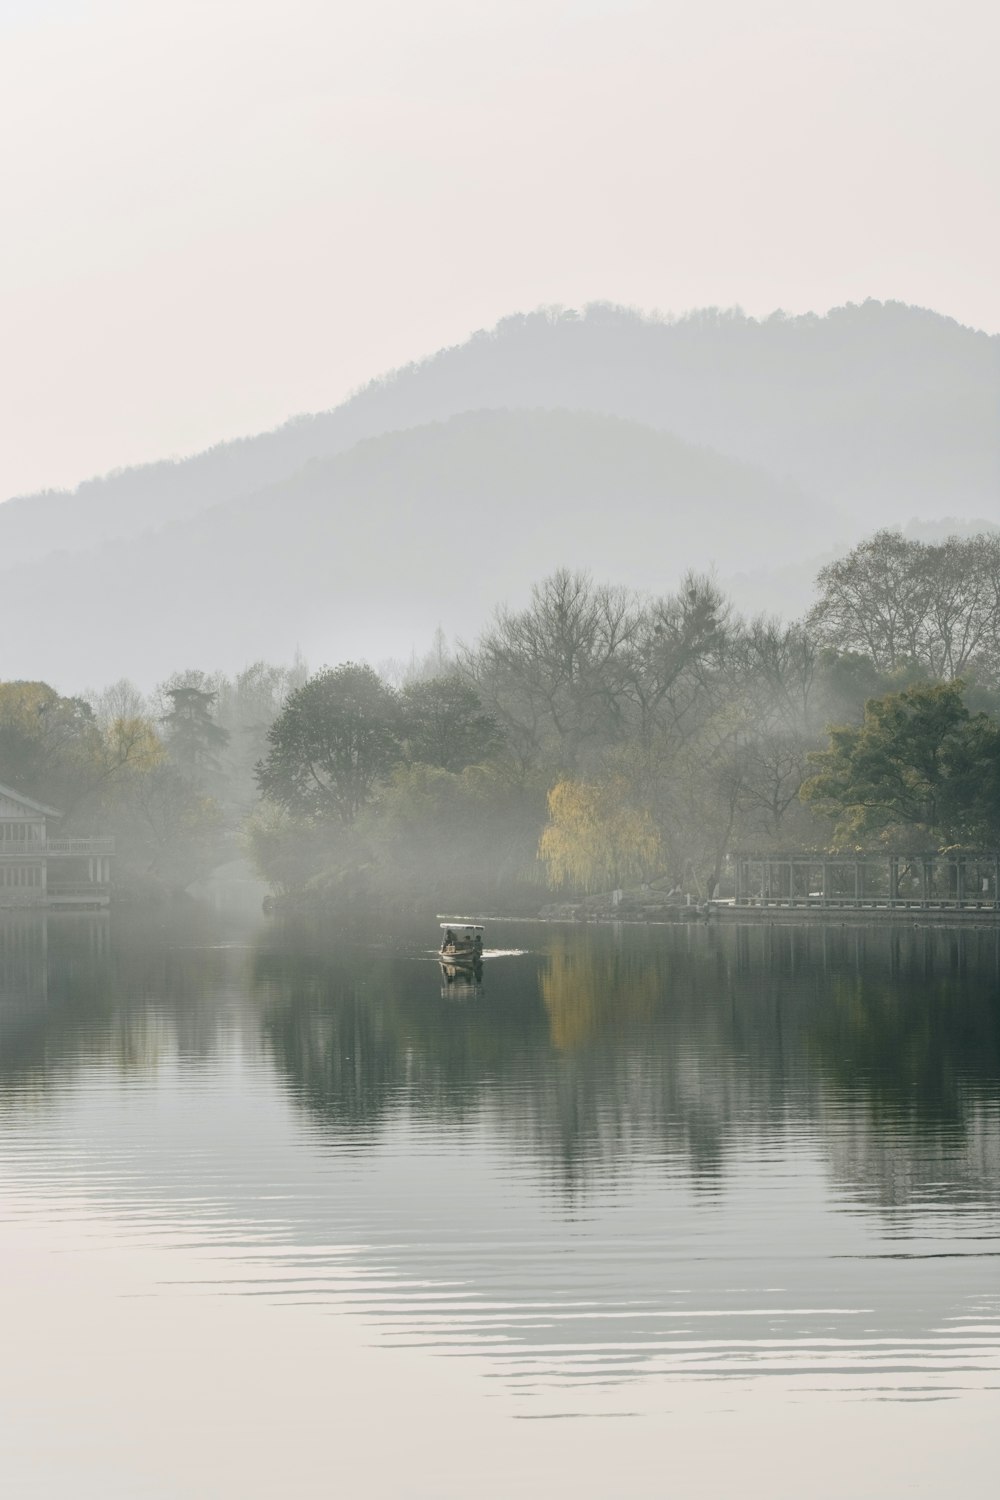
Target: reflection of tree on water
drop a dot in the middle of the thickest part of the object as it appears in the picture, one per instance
(915, 1040)
(664, 1045)
(53, 996)
(327, 1027)
(601, 989)
(361, 1030)
(669, 1047)
(538, 1149)
(78, 990)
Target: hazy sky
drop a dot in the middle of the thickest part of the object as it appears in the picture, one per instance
(217, 213)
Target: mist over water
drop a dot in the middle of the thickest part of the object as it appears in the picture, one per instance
(632, 1160)
(642, 604)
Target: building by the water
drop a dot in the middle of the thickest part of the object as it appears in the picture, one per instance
(884, 882)
(39, 869)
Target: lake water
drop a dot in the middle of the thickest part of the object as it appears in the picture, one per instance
(652, 1211)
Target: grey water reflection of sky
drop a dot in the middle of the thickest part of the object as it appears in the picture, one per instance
(578, 1195)
(444, 1242)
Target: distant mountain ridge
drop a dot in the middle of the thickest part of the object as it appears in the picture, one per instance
(365, 554)
(892, 411)
(635, 447)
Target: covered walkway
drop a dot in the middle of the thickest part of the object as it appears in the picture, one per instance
(858, 881)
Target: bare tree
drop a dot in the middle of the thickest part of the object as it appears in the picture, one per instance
(554, 675)
(906, 603)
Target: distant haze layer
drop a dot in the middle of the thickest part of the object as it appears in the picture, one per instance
(221, 212)
(367, 553)
(631, 446)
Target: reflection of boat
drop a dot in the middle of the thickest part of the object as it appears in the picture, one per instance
(461, 944)
(460, 981)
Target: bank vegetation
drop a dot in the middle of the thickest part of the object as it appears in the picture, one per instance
(593, 739)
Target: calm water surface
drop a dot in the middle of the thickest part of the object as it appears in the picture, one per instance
(286, 1195)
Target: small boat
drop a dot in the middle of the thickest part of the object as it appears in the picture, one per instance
(461, 944)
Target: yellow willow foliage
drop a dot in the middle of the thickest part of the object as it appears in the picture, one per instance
(595, 839)
(22, 704)
(132, 743)
(586, 992)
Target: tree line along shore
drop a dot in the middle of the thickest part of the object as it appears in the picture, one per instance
(596, 739)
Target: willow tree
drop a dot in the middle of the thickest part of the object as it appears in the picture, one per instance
(596, 838)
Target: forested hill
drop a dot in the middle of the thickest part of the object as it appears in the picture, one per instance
(891, 410)
(365, 554)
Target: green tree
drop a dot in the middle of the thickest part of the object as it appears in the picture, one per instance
(457, 836)
(57, 750)
(336, 737)
(445, 723)
(919, 761)
(324, 864)
(168, 833)
(194, 740)
(40, 735)
(248, 705)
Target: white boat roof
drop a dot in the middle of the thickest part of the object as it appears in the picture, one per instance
(462, 926)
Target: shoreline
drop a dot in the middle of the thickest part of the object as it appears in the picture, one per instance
(754, 916)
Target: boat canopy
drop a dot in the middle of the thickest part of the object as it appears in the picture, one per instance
(461, 927)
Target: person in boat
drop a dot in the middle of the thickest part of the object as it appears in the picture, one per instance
(448, 946)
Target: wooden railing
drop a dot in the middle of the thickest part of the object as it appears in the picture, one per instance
(891, 879)
(38, 848)
(104, 845)
(83, 889)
